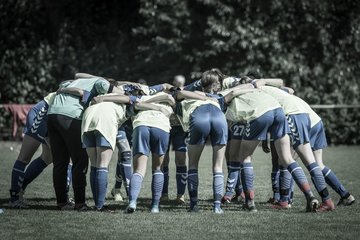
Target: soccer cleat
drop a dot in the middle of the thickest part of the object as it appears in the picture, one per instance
(218, 210)
(82, 207)
(272, 201)
(104, 209)
(326, 206)
(131, 208)
(281, 205)
(66, 207)
(18, 204)
(116, 193)
(194, 209)
(346, 201)
(250, 207)
(180, 199)
(226, 199)
(312, 204)
(241, 197)
(164, 197)
(21, 195)
(154, 209)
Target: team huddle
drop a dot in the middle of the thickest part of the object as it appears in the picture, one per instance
(87, 118)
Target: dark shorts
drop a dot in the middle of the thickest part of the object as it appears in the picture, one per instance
(300, 129)
(36, 122)
(208, 120)
(318, 137)
(150, 139)
(273, 121)
(95, 139)
(177, 139)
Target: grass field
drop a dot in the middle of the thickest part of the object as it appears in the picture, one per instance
(43, 221)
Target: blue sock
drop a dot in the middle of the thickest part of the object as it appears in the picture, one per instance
(181, 178)
(33, 170)
(299, 177)
(318, 179)
(193, 184)
(93, 183)
(135, 186)
(101, 186)
(275, 175)
(238, 187)
(218, 188)
(118, 175)
(247, 179)
(285, 184)
(69, 177)
(157, 184)
(17, 178)
(126, 169)
(233, 176)
(165, 171)
(334, 182)
(291, 193)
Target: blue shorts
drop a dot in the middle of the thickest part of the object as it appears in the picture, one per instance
(300, 129)
(208, 120)
(36, 122)
(318, 137)
(150, 139)
(125, 132)
(177, 139)
(95, 139)
(273, 121)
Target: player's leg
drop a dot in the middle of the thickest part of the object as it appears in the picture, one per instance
(89, 142)
(165, 171)
(180, 148)
(194, 153)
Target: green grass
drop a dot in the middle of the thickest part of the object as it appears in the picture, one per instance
(43, 221)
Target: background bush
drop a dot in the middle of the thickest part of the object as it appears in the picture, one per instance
(314, 45)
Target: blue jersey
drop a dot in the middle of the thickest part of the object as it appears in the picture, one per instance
(194, 86)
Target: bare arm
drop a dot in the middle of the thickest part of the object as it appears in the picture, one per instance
(236, 92)
(143, 106)
(183, 94)
(275, 82)
(84, 75)
(71, 90)
(167, 98)
(111, 98)
(289, 90)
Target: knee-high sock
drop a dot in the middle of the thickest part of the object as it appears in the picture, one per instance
(218, 188)
(233, 176)
(33, 170)
(334, 182)
(93, 183)
(181, 178)
(165, 171)
(135, 186)
(318, 179)
(247, 179)
(285, 184)
(157, 185)
(238, 187)
(299, 176)
(17, 178)
(275, 183)
(101, 186)
(291, 193)
(193, 183)
(126, 168)
(118, 175)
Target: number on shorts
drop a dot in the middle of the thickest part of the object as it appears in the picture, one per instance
(238, 129)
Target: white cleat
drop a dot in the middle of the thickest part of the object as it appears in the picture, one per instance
(131, 208)
(116, 193)
(155, 209)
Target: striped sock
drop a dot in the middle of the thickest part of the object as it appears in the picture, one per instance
(299, 177)
(33, 170)
(93, 183)
(247, 179)
(165, 171)
(118, 175)
(157, 184)
(334, 182)
(126, 169)
(135, 186)
(181, 178)
(218, 188)
(17, 178)
(285, 184)
(275, 183)
(318, 179)
(193, 183)
(101, 186)
(233, 176)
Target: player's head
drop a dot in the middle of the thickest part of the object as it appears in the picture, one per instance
(179, 81)
(211, 80)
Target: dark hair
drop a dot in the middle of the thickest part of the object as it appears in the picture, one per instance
(211, 77)
(253, 75)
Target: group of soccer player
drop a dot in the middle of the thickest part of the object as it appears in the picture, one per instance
(87, 118)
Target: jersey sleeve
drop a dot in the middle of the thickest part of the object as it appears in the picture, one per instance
(155, 89)
(194, 86)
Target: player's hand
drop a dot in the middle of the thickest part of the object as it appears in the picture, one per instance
(97, 99)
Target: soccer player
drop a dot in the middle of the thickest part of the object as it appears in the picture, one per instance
(151, 134)
(64, 126)
(35, 133)
(253, 115)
